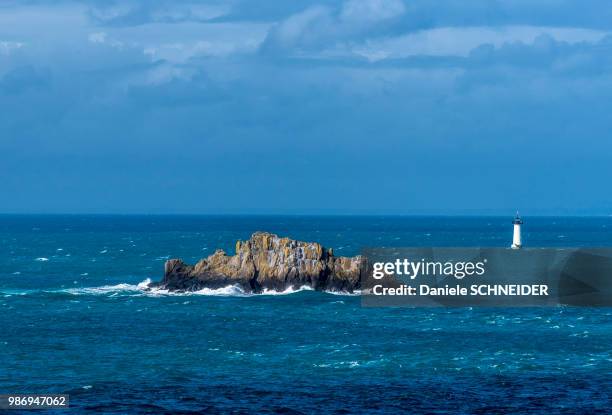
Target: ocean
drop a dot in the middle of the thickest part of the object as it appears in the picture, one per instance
(75, 319)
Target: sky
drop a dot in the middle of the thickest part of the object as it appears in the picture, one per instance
(306, 106)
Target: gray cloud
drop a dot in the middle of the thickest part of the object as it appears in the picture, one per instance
(319, 26)
(132, 12)
(545, 52)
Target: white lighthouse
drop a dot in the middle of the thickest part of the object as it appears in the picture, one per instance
(516, 237)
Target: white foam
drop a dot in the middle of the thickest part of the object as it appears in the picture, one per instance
(353, 294)
(144, 284)
(144, 288)
(289, 290)
(10, 293)
(228, 291)
(104, 289)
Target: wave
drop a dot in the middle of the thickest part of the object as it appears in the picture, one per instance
(289, 290)
(355, 293)
(228, 291)
(144, 289)
(109, 289)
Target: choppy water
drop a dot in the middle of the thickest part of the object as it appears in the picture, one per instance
(74, 319)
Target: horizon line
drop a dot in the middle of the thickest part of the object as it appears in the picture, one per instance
(494, 213)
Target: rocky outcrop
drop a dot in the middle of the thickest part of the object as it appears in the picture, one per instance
(266, 261)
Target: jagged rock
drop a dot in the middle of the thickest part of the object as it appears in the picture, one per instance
(266, 261)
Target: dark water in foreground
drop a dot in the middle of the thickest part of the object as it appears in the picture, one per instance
(74, 320)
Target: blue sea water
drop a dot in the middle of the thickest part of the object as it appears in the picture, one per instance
(74, 319)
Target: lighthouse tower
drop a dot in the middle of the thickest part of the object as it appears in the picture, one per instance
(516, 237)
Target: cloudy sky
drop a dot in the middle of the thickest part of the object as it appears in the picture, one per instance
(263, 106)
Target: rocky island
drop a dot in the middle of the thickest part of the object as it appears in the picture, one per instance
(267, 261)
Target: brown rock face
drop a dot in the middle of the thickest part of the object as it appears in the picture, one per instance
(266, 261)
